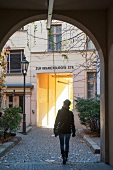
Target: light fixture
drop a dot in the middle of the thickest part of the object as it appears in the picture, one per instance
(24, 65)
(50, 11)
(62, 82)
(13, 93)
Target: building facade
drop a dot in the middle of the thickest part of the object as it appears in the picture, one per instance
(62, 65)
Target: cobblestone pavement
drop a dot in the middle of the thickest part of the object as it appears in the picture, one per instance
(40, 150)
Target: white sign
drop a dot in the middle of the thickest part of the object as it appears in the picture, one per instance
(45, 68)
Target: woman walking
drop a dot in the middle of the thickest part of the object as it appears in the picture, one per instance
(64, 123)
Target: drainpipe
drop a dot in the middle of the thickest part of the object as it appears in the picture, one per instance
(55, 96)
(30, 80)
(48, 102)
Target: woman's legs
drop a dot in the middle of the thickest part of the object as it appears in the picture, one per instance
(61, 138)
(64, 148)
(67, 138)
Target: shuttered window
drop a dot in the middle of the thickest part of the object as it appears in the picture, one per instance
(14, 61)
(91, 84)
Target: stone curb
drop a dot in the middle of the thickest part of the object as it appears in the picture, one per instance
(27, 129)
(9, 145)
(93, 146)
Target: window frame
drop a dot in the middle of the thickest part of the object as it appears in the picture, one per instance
(11, 100)
(94, 81)
(54, 34)
(89, 44)
(14, 71)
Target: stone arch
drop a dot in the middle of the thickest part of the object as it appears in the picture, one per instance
(98, 47)
(18, 26)
(57, 17)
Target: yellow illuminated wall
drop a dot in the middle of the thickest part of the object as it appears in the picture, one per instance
(42, 96)
(52, 90)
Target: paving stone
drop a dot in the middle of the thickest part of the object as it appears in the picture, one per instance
(93, 143)
(40, 150)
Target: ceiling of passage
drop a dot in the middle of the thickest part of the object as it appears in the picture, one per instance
(58, 4)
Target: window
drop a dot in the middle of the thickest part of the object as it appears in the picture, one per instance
(89, 44)
(22, 28)
(14, 61)
(91, 85)
(15, 101)
(10, 101)
(54, 38)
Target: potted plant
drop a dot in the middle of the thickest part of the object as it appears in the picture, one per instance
(10, 120)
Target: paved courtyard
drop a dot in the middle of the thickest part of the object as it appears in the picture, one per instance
(40, 150)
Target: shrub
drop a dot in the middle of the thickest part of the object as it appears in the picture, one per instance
(89, 112)
(10, 119)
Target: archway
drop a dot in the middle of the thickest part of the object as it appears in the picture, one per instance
(88, 32)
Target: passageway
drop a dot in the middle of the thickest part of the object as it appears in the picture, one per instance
(52, 89)
(93, 17)
(39, 150)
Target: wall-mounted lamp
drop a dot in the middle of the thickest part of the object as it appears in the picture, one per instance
(33, 111)
(13, 93)
(50, 11)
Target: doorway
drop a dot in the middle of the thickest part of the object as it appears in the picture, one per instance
(52, 90)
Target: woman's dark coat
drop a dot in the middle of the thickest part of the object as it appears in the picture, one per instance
(65, 120)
